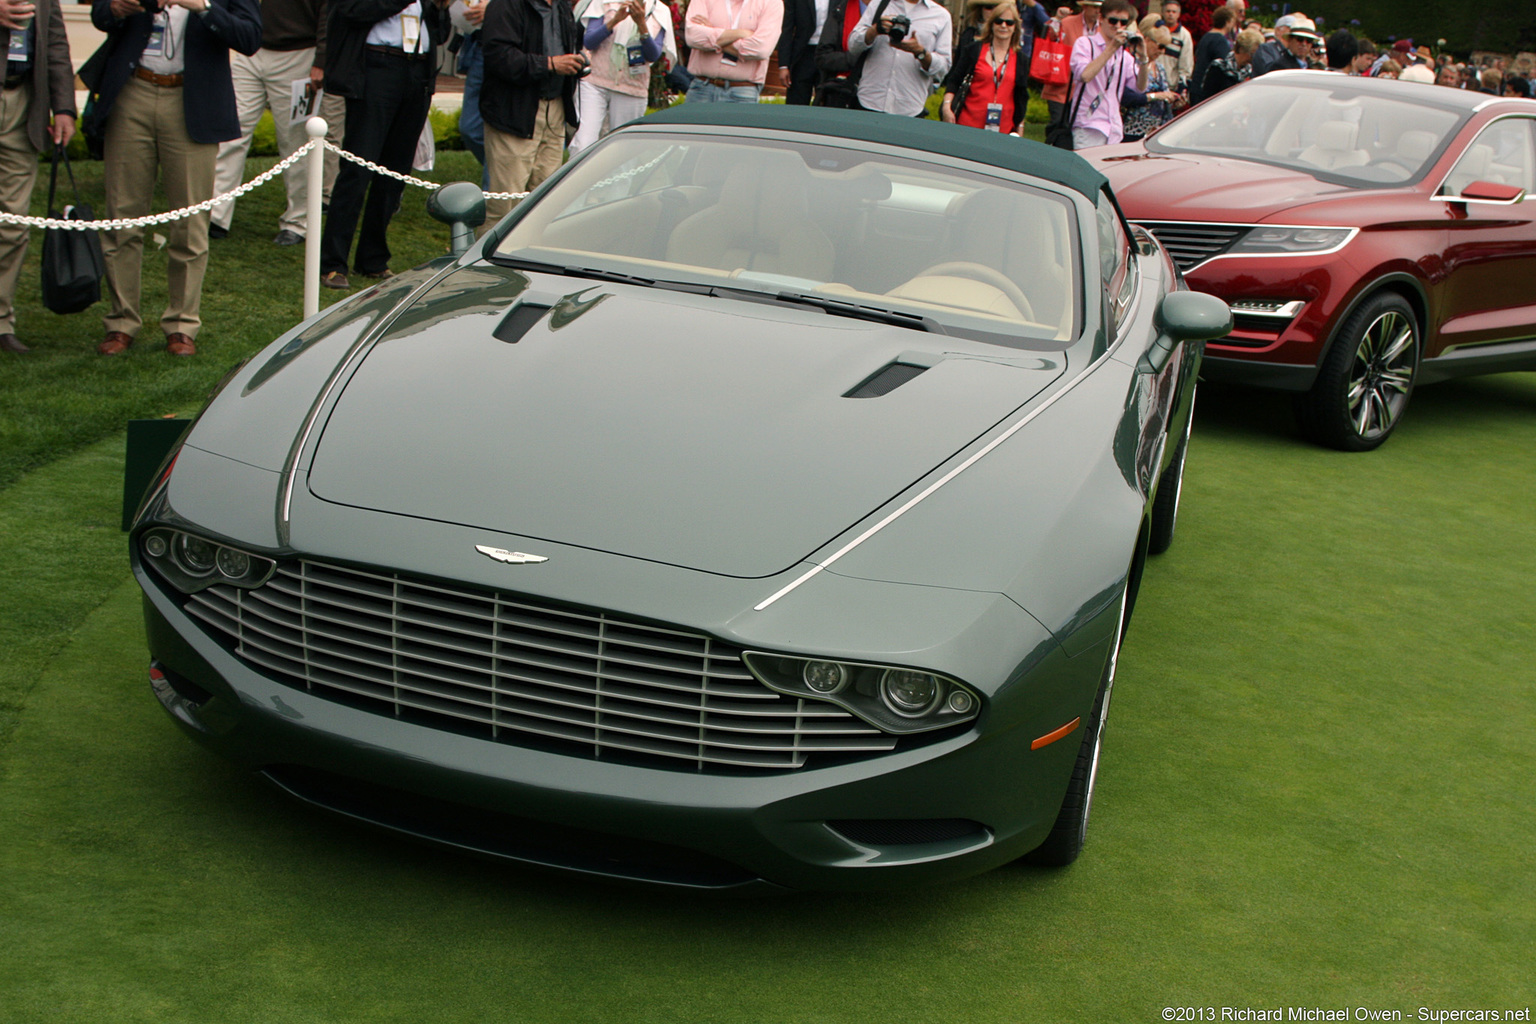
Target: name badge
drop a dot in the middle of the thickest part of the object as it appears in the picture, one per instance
(994, 117)
(18, 51)
(156, 45)
(410, 32)
(636, 57)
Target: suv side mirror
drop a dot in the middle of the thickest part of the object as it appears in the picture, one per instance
(461, 205)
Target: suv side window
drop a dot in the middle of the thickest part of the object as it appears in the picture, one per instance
(1503, 153)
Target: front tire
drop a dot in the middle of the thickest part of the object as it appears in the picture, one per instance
(1366, 379)
(1069, 832)
(1165, 507)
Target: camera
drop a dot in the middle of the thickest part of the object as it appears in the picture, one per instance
(900, 26)
(586, 66)
(1133, 40)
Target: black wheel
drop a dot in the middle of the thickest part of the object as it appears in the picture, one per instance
(1065, 842)
(1364, 383)
(1165, 507)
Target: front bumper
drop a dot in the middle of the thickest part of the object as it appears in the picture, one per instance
(676, 828)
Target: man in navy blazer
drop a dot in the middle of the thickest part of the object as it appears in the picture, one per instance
(162, 94)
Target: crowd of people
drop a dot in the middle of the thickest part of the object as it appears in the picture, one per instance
(178, 87)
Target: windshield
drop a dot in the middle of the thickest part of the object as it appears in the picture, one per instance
(836, 227)
(1329, 130)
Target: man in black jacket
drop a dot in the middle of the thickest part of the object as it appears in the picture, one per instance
(39, 81)
(160, 86)
(379, 55)
(532, 62)
(799, 38)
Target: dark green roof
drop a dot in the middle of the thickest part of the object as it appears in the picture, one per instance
(1005, 151)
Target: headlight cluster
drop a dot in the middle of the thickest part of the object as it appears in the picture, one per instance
(1280, 241)
(892, 698)
(190, 563)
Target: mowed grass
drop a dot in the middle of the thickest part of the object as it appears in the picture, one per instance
(1317, 790)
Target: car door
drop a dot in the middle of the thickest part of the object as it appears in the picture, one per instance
(1490, 258)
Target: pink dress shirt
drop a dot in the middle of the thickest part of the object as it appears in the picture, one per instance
(706, 19)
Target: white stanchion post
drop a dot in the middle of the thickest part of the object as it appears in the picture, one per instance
(316, 127)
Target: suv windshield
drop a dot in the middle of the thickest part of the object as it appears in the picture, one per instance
(834, 226)
(1333, 131)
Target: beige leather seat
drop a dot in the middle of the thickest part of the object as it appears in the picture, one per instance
(1335, 147)
(762, 222)
(1414, 147)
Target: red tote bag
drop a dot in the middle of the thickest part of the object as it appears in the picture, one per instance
(1052, 62)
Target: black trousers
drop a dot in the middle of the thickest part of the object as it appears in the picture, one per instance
(383, 126)
(1058, 129)
(803, 77)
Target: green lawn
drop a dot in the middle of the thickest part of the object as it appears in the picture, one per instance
(1317, 786)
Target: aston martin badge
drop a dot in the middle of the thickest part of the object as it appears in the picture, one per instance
(511, 557)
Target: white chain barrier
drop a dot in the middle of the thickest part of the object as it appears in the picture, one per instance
(261, 179)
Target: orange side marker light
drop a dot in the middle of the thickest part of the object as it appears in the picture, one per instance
(1054, 735)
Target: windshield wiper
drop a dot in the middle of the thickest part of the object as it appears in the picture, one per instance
(595, 274)
(878, 314)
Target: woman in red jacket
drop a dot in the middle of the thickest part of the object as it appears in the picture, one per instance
(987, 87)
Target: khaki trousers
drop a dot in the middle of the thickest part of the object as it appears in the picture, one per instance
(516, 164)
(18, 172)
(264, 81)
(146, 138)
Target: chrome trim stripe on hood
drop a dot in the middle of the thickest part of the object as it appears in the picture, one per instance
(940, 482)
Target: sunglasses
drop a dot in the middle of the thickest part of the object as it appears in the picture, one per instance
(1118, 21)
(1009, 22)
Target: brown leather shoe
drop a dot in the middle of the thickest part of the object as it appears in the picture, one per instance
(383, 275)
(335, 279)
(114, 344)
(11, 343)
(180, 345)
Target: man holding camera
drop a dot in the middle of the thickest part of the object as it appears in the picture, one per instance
(160, 86)
(39, 80)
(732, 41)
(908, 46)
(1103, 65)
(533, 61)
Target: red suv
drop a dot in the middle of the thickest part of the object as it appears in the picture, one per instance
(1370, 235)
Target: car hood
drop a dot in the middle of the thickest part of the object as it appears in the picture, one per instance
(697, 431)
(1153, 186)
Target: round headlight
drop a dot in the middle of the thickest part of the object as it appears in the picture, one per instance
(195, 555)
(910, 694)
(232, 563)
(960, 702)
(824, 676)
(155, 545)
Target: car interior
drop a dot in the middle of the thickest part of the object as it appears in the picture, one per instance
(818, 220)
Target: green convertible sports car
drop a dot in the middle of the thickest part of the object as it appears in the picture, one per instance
(760, 504)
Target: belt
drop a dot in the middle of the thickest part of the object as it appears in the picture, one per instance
(17, 81)
(395, 51)
(722, 83)
(165, 81)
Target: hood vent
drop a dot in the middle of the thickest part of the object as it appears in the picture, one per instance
(885, 380)
(519, 322)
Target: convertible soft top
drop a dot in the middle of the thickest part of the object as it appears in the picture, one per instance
(1026, 157)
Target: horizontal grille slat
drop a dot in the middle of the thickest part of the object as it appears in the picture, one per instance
(520, 672)
(1192, 243)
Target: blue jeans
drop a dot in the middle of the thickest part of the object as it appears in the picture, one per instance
(704, 92)
(471, 127)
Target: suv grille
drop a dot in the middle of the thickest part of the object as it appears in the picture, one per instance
(1191, 243)
(522, 672)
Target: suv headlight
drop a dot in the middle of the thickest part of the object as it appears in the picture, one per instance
(892, 698)
(1287, 241)
(191, 563)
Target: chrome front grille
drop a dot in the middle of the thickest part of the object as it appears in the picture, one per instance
(1191, 243)
(521, 672)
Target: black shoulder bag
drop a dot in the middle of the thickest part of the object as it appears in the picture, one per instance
(72, 263)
